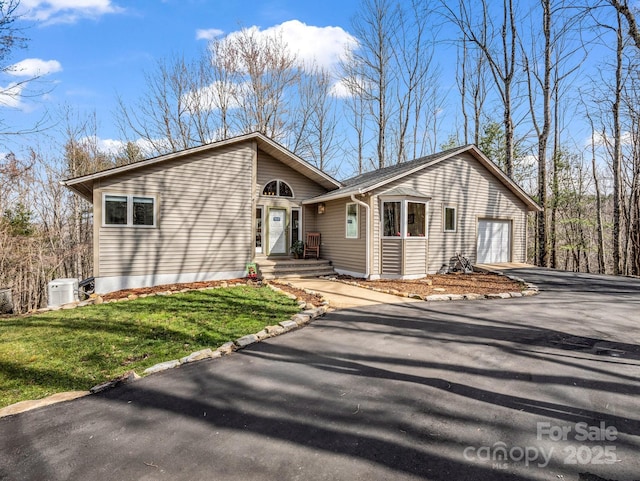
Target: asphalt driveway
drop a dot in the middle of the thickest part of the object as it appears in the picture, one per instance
(543, 388)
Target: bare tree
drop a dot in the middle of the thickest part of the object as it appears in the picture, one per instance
(623, 9)
(370, 63)
(499, 44)
(316, 128)
(266, 69)
(471, 77)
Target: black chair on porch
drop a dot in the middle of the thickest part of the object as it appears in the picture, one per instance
(312, 245)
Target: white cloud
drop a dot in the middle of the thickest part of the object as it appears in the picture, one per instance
(209, 97)
(343, 87)
(208, 34)
(325, 46)
(602, 140)
(66, 11)
(11, 95)
(34, 67)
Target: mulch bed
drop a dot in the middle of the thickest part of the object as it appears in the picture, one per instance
(457, 283)
(299, 293)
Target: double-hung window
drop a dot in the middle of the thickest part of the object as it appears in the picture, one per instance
(129, 210)
(352, 221)
(404, 218)
(450, 220)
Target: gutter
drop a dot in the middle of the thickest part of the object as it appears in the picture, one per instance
(368, 260)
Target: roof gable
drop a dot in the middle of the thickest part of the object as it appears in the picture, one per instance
(369, 181)
(83, 185)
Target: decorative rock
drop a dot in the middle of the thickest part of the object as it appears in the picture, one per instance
(224, 284)
(529, 292)
(262, 335)
(472, 296)
(301, 319)
(102, 387)
(439, 289)
(226, 348)
(501, 295)
(437, 297)
(71, 305)
(456, 297)
(84, 303)
(274, 330)
(162, 366)
(312, 313)
(244, 341)
(98, 300)
(415, 296)
(288, 325)
(132, 297)
(197, 356)
(515, 294)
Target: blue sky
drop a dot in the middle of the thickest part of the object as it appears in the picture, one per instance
(88, 52)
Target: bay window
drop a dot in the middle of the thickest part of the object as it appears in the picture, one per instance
(404, 218)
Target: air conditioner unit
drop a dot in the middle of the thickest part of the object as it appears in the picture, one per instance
(62, 291)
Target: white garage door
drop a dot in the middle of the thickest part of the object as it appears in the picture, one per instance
(494, 241)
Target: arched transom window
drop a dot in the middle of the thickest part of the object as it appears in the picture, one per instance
(278, 188)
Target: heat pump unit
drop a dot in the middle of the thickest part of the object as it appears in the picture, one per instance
(62, 291)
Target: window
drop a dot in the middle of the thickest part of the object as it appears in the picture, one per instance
(403, 218)
(352, 221)
(295, 225)
(277, 188)
(416, 219)
(115, 210)
(450, 219)
(129, 210)
(391, 212)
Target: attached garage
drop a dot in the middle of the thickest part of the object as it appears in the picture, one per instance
(494, 241)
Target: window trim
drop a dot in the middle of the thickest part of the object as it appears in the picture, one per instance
(130, 198)
(444, 218)
(262, 194)
(346, 221)
(404, 213)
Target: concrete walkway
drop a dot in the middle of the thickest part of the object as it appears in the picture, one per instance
(344, 296)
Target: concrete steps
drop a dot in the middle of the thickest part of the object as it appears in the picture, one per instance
(292, 268)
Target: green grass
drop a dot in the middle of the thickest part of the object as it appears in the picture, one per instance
(75, 349)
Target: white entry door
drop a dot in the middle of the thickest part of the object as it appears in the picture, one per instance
(277, 231)
(494, 241)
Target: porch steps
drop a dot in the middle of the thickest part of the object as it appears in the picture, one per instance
(289, 268)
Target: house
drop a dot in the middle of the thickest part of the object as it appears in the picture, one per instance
(206, 212)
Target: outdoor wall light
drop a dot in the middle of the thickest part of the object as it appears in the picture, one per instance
(321, 208)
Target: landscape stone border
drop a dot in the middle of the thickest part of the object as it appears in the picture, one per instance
(308, 313)
(530, 290)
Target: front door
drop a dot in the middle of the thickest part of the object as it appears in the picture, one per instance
(277, 231)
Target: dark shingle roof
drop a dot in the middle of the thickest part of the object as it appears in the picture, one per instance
(363, 181)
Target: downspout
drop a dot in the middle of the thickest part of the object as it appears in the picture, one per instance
(368, 260)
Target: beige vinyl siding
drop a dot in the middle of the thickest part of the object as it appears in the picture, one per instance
(462, 182)
(345, 254)
(204, 219)
(271, 169)
(392, 257)
(415, 257)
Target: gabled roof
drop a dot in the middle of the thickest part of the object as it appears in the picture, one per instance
(369, 181)
(84, 185)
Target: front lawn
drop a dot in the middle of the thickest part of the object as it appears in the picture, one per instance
(75, 349)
